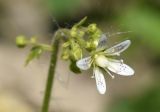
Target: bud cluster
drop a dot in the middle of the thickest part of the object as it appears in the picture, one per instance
(81, 39)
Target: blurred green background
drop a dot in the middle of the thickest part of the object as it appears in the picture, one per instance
(138, 19)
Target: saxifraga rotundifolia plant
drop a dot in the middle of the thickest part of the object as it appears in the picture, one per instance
(78, 42)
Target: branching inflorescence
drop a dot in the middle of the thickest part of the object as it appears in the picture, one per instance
(84, 47)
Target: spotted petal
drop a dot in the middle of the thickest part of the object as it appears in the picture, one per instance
(102, 42)
(84, 63)
(117, 49)
(119, 67)
(100, 81)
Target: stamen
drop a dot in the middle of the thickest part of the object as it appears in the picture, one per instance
(121, 61)
(93, 76)
(110, 74)
(114, 67)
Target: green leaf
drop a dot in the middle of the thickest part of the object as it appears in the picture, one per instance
(35, 52)
(144, 22)
(74, 68)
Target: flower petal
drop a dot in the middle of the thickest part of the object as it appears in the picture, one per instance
(119, 68)
(100, 81)
(102, 42)
(84, 63)
(117, 49)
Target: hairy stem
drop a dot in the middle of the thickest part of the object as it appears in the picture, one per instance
(50, 79)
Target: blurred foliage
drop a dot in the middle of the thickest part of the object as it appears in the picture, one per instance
(62, 8)
(146, 23)
(149, 101)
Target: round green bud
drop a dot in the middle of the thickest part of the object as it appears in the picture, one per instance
(92, 27)
(65, 54)
(65, 57)
(95, 43)
(96, 34)
(88, 44)
(33, 40)
(77, 53)
(81, 33)
(21, 41)
(73, 32)
(92, 44)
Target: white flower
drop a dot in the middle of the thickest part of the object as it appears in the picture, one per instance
(101, 60)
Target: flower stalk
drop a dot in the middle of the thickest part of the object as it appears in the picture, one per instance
(51, 71)
(50, 79)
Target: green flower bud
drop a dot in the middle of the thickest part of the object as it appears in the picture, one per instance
(33, 40)
(81, 33)
(21, 41)
(96, 34)
(92, 27)
(92, 44)
(66, 44)
(77, 53)
(65, 54)
(73, 32)
(88, 45)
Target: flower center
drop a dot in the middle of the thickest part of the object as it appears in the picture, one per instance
(101, 60)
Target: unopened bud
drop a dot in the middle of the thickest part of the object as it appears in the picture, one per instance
(65, 54)
(21, 41)
(73, 32)
(81, 33)
(33, 40)
(92, 44)
(92, 27)
(77, 53)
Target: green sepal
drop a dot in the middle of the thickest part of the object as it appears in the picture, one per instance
(35, 52)
(74, 68)
(82, 21)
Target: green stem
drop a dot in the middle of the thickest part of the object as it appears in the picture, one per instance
(50, 78)
(46, 47)
(48, 90)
